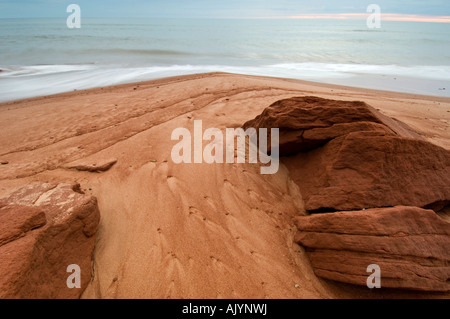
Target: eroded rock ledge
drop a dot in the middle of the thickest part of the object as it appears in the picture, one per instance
(410, 244)
(43, 229)
(377, 180)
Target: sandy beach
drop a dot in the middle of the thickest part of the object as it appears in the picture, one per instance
(187, 230)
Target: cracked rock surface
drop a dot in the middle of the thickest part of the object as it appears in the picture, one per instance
(44, 228)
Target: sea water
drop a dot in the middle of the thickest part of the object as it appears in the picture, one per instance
(44, 56)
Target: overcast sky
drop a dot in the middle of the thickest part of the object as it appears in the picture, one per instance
(215, 8)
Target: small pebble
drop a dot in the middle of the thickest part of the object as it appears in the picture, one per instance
(4, 162)
(297, 286)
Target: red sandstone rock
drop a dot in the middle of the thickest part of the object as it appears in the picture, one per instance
(17, 221)
(411, 245)
(306, 123)
(45, 228)
(350, 156)
(366, 170)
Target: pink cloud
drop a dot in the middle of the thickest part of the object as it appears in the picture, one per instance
(384, 16)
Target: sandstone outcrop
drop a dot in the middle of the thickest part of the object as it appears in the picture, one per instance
(371, 178)
(306, 123)
(410, 245)
(347, 155)
(367, 169)
(44, 228)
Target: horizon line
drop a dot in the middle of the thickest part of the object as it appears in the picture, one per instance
(399, 17)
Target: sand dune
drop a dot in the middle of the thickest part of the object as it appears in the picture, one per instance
(186, 230)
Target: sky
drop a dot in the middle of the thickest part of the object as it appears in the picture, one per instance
(410, 9)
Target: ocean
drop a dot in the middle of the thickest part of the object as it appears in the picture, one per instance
(43, 56)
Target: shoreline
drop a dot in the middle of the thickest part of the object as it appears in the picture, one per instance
(175, 78)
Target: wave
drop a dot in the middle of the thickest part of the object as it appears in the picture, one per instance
(145, 52)
(438, 72)
(28, 81)
(38, 70)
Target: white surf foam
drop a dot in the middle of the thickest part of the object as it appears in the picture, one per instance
(28, 81)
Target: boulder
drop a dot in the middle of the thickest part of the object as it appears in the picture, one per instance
(306, 123)
(411, 246)
(44, 228)
(371, 178)
(346, 155)
(369, 169)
